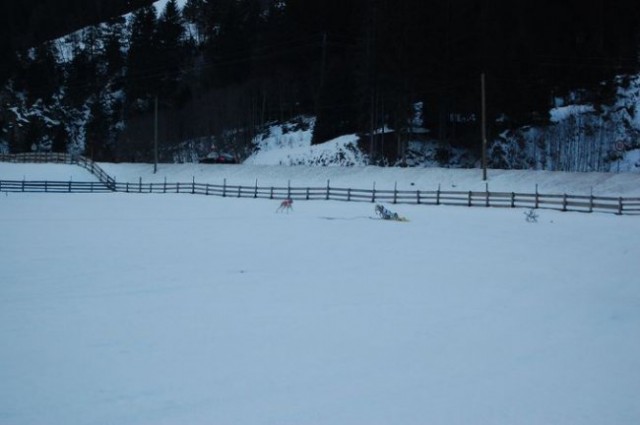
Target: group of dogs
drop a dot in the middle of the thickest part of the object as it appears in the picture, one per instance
(381, 211)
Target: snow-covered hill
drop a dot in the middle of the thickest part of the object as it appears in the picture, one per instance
(581, 136)
(290, 144)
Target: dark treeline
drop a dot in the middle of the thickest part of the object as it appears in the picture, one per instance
(27, 23)
(224, 68)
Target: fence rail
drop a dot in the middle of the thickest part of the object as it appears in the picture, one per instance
(561, 202)
(60, 158)
(53, 186)
(38, 157)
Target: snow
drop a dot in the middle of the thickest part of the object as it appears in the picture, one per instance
(161, 4)
(341, 151)
(563, 112)
(582, 137)
(630, 161)
(180, 309)
(628, 97)
(290, 144)
(51, 172)
(364, 177)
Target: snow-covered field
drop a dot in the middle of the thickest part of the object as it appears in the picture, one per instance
(179, 309)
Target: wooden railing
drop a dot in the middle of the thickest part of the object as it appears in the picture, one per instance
(61, 158)
(564, 202)
(95, 169)
(561, 202)
(38, 157)
(53, 186)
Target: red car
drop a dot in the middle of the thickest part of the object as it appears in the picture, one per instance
(218, 158)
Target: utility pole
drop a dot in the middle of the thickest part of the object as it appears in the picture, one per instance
(484, 130)
(155, 136)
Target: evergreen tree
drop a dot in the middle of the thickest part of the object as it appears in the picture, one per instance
(142, 60)
(337, 24)
(41, 75)
(97, 146)
(82, 76)
(195, 14)
(170, 45)
(113, 45)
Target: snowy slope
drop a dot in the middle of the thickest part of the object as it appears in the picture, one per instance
(290, 144)
(581, 136)
(175, 309)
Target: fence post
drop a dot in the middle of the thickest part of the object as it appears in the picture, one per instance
(127, 187)
(288, 189)
(537, 197)
(591, 200)
(564, 202)
(348, 194)
(239, 191)
(271, 193)
(206, 190)
(487, 194)
(513, 200)
(469, 198)
(418, 196)
(193, 185)
(255, 192)
(328, 189)
(164, 187)
(23, 184)
(178, 187)
(140, 185)
(620, 206)
(224, 188)
(307, 193)
(373, 193)
(438, 195)
(395, 192)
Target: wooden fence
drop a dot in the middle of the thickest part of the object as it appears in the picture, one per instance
(564, 202)
(38, 157)
(561, 202)
(53, 186)
(60, 158)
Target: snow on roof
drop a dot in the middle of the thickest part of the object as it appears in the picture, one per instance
(563, 112)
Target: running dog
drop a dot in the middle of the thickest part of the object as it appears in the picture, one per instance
(286, 205)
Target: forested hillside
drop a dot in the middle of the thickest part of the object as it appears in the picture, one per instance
(220, 71)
